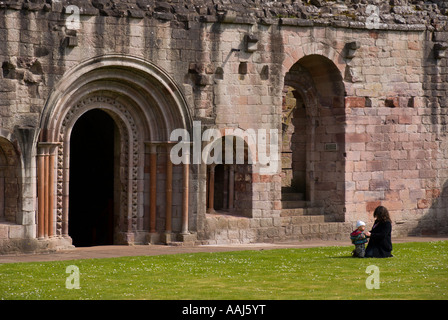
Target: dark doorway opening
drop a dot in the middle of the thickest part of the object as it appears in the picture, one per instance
(91, 200)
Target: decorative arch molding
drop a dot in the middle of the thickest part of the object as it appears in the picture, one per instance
(146, 105)
(156, 98)
(131, 159)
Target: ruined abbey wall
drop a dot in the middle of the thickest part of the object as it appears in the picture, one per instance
(369, 106)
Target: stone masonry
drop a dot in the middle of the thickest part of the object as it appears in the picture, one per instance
(90, 92)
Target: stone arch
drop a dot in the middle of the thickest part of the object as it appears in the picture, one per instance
(10, 186)
(229, 182)
(145, 104)
(131, 159)
(313, 135)
(157, 101)
(294, 54)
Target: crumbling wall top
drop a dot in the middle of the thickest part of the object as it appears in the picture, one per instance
(372, 14)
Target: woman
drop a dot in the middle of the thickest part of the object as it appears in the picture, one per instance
(380, 243)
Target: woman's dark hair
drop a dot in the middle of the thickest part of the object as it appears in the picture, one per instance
(381, 214)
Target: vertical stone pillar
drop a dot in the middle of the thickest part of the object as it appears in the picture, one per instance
(211, 190)
(169, 195)
(186, 190)
(51, 193)
(46, 190)
(231, 186)
(152, 188)
(225, 200)
(41, 179)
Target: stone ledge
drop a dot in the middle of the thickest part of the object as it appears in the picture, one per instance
(299, 13)
(20, 246)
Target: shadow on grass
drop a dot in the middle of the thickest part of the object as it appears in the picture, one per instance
(354, 258)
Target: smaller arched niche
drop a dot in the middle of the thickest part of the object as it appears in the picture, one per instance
(229, 180)
(9, 182)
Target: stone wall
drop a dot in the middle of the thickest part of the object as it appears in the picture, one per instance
(374, 99)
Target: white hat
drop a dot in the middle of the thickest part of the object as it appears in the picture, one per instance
(360, 223)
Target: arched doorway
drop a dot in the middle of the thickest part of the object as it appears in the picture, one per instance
(145, 106)
(92, 163)
(313, 146)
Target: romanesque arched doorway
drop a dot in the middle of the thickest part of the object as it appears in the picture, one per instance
(93, 167)
(135, 106)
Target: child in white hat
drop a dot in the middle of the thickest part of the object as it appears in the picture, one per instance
(359, 239)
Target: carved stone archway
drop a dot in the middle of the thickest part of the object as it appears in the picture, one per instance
(146, 106)
(131, 157)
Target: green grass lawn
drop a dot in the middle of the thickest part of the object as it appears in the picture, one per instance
(417, 271)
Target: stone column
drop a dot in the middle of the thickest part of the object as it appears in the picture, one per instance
(186, 191)
(231, 186)
(225, 200)
(152, 188)
(211, 189)
(51, 193)
(41, 179)
(169, 194)
(46, 190)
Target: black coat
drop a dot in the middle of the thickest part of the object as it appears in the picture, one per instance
(380, 243)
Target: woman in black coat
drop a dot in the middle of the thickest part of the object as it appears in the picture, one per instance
(380, 243)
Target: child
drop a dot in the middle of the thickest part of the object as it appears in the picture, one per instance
(359, 239)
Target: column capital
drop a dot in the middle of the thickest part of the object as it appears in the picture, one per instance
(44, 148)
(48, 144)
(152, 145)
(185, 195)
(161, 143)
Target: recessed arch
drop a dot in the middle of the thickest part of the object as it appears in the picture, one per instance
(229, 181)
(91, 205)
(157, 100)
(145, 104)
(313, 139)
(10, 186)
